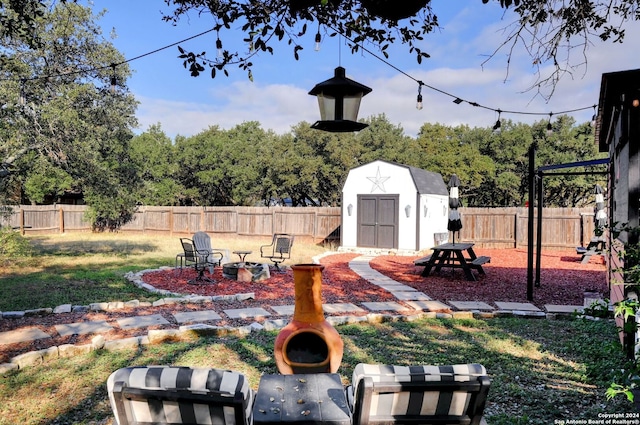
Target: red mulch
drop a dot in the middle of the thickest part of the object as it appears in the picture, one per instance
(563, 281)
(340, 284)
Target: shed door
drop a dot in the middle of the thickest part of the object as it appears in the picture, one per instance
(378, 221)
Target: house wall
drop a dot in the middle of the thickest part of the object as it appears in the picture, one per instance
(380, 178)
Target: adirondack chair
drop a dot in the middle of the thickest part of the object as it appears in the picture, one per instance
(216, 256)
(278, 250)
(179, 395)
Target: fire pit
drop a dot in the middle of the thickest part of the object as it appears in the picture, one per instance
(309, 343)
(230, 270)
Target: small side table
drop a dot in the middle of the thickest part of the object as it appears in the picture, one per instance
(242, 254)
(303, 398)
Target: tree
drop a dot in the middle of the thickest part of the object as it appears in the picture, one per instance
(548, 30)
(449, 150)
(153, 155)
(58, 104)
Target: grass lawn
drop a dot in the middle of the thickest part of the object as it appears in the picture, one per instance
(542, 371)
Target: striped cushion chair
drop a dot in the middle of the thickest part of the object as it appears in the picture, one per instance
(386, 394)
(179, 395)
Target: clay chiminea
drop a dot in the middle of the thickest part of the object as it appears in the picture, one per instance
(308, 344)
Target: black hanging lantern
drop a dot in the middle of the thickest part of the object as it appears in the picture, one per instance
(339, 102)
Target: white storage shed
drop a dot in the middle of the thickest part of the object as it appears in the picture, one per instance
(393, 206)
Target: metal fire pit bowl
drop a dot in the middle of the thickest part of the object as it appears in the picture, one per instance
(230, 270)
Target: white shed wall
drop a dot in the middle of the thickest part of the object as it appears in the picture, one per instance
(434, 211)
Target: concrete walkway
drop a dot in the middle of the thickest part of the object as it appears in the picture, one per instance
(418, 302)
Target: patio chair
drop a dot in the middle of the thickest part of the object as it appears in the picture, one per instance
(278, 250)
(216, 256)
(179, 395)
(386, 394)
(199, 260)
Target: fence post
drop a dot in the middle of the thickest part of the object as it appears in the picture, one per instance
(60, 219)
(171, 221)
(21, 221)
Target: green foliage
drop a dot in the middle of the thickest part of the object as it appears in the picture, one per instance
(71, 131)
(598, 308)
(547, 31)
(13, 245)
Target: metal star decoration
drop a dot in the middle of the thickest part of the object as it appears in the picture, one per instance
(378, 181)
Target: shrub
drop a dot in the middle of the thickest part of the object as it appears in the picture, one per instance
(13, 244)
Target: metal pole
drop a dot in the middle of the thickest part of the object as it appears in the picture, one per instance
(532, 190)
(539, 237)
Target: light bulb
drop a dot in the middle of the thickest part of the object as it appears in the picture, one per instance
(318, 40)
(219, 47)
(419, 102)
(496, 126)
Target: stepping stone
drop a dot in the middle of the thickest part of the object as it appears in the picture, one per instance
(395, 287)
(82, 328)
(383, 306)
(411, 296)
(22, 335)
(196, 316)
(471, 305)
(284, 310)
(516, 306)
(142, 321)
(552, 308)
(429, 305)
(342, 308)
(245, 313)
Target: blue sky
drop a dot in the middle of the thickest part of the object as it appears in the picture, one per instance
(278, 97)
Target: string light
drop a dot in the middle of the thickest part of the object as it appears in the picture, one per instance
(593, 118)
(219, 47)
(549, 127)
(419, 98)
(318, 40)
(498, 124)
(457, 100)
(114, 81)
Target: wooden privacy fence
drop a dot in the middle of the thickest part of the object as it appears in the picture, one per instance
(486, 227)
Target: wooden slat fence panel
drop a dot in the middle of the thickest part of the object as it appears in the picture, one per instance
(220, 219)
(73, 218)
(491, 227)
(486, 227)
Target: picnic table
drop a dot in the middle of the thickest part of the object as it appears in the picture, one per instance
(454, 256)
(596, 247)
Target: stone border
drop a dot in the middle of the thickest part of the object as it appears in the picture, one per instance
(192, 332)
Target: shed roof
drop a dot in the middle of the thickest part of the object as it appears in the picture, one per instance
(426, 182)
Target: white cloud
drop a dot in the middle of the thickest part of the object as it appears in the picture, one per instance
(276, 107)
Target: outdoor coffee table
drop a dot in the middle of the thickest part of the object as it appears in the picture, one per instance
(242, 254)
(301, 398)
